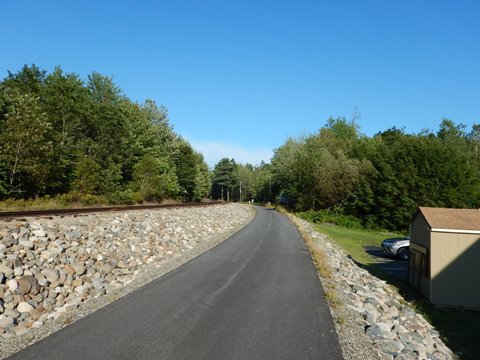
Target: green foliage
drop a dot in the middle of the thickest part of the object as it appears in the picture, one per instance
(328, 216)
(25, 147)
(65, 137)
(223, 179)
(29, 80)
(238, 182)
(286, 173)
(203, 179)
(88, 178)
(243, 177)
(186, 170)
(89, 199)
(412, 171)
(103, 89)
(380, 180)
(123, 197)
(111, 177)
(154, 179)
(318, 171)
(262, 183)
(69, 198)
(66, 103)
(3, 186)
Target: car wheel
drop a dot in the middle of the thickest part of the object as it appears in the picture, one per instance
(403, 253)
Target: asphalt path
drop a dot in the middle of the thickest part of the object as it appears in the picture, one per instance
(389, 264)
(254, 296)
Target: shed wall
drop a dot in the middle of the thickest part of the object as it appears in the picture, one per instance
(420, 231)
(454, 261)
(420, 270)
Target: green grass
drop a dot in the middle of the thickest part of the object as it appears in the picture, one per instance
(460, 329)
(36, 204)
(353, 241)
(73, 200)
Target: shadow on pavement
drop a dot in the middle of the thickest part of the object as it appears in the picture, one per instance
(390, 265)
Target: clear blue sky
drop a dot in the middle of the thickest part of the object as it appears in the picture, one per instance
(239, 77)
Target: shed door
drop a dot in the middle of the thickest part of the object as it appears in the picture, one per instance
(417, 267)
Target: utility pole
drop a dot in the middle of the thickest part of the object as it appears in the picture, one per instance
(228, 190)
(240, 190)
(270, 187)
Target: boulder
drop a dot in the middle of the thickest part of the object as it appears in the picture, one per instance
(26, 244)
(12, 285)
(25, 284)
(24, 307)
(12, 313)
(42, 280)
(18, 271)
(69, 269)
(79, 268)
(7, 270)
(6, 322)
(390, 347)
(52, 275)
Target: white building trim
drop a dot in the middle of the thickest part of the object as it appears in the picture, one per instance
(458, 231)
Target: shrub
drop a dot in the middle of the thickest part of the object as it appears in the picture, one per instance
(89, 199)
(122, 197)
(331, 216)
(137, 197)
(88, 178)
(69, 198)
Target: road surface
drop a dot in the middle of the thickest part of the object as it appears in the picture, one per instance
(391, 265)
(255, 296)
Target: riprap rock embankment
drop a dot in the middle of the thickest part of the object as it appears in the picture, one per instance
(374, 321)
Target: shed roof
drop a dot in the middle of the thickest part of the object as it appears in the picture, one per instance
(452, 219)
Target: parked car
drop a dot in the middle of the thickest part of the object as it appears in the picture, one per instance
(397, 247)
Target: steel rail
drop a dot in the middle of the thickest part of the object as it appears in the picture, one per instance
(12, 215)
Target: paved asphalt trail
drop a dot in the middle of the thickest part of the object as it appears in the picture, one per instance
(255, 296)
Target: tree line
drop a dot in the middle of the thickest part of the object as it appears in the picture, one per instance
(86, 140)
(232, 181)
(61, 135)
(377, 181)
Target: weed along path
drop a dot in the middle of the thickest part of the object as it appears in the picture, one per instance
(255, 296)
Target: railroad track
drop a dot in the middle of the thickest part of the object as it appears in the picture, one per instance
(22, 215)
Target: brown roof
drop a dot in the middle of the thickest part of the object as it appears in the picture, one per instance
(454, 219)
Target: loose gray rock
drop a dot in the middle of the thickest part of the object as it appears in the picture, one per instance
(390, 347)
(51, 275)
(79, 268)
(6, 322)
(40, 233)
(379, 331)
(12, 285)
(24, 307)
(7, 270)
(12, 313)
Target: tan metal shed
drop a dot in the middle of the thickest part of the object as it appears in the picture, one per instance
(445, 256)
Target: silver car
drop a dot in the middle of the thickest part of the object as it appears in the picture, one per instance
(397, 247)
